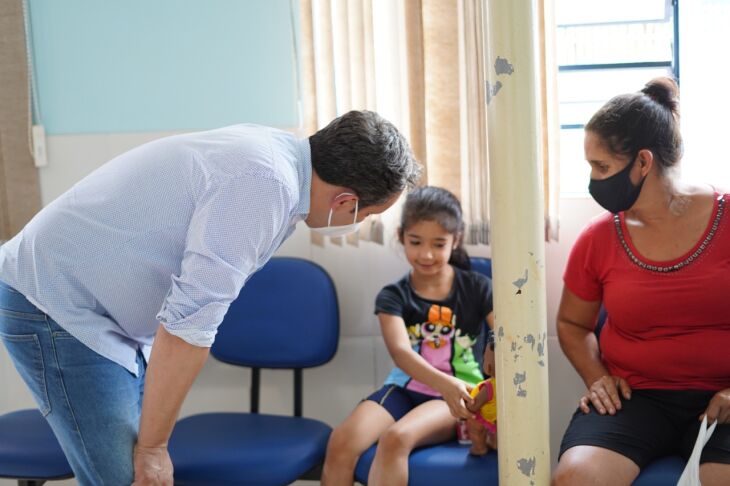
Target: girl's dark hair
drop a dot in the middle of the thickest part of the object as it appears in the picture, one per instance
(648, 119)
(436, 204)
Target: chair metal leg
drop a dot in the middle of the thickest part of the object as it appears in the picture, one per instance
(298, 392)
(255, 389)
(314, 474)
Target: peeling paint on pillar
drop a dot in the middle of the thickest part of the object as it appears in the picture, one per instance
(503, 66)
(492, 90)
(514, 348)
(541, 349)
(530, 339)
(527, 467)
(520, 282)
(518, 380)
(540, 342)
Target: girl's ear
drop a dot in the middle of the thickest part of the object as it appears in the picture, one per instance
(457, 240)
(400, 234)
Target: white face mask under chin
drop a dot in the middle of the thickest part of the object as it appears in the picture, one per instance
(335, 231)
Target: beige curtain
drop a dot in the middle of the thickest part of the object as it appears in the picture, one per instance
(549, 116)
(441, 70)
(416, 81)
(422, 65)
(19, 189)
(475, 90)
(474, 147)
(337, 71)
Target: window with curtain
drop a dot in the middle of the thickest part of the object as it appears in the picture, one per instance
(605, 49)
(421, 64)
(397, 57)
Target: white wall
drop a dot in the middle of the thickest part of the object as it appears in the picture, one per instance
(362, 361)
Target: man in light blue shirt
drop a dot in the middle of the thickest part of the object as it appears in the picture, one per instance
(152, 248)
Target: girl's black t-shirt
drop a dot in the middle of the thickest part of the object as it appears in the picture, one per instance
(449, 333)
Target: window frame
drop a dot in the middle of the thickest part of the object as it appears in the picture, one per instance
(672, 65)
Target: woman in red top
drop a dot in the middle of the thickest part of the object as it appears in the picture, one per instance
(659, 262)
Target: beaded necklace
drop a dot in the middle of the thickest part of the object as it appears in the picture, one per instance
(683, 263)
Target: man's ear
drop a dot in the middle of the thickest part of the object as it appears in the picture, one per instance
(345, 201)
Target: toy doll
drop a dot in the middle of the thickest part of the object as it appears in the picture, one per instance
(482, 429)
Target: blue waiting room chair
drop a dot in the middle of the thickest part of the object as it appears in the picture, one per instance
(661, 472)
(285, 317)
(29, 452)
(450, 462)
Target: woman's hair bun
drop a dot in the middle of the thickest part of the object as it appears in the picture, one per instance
(664, 91)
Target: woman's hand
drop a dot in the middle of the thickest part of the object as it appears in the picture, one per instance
(719, 408)
(152, 466)
(456, 394)
(604, 395)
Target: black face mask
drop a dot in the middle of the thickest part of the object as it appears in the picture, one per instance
(616, 193)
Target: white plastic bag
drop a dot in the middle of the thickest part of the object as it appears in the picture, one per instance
(691, 474)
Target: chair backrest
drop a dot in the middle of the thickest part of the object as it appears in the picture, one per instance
(286, 316)
(482, 265)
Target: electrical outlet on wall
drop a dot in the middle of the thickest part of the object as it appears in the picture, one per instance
(39, 146)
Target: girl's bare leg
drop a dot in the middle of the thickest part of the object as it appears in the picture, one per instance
(429, 423)
(350, 439)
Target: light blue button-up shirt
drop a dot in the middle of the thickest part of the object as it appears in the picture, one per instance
(169, 232)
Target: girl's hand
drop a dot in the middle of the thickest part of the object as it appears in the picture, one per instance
(719, 408)
(604, 395)
(456, 395)
(152, 466)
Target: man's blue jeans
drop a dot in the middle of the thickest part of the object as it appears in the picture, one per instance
(92, 403)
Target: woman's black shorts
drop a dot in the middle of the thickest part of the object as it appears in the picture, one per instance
(654, 423)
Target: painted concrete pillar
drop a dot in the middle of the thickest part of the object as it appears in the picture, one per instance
(518, 252)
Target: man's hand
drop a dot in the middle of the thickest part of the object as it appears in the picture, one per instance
(604, 395)
(152, 466)
(719, 408)
(171, 370)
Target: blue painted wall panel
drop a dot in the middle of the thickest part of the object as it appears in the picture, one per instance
(124, 66)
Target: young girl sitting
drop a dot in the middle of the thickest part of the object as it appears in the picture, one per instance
(432, 320)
